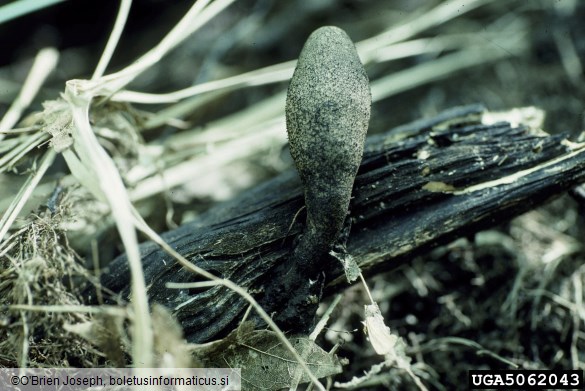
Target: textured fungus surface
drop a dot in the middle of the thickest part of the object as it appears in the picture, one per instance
(327, 115)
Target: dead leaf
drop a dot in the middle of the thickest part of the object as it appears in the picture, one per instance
(265, 363)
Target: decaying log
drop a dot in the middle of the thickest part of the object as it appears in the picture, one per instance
(420, 185)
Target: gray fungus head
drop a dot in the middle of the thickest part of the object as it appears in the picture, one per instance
(327, 116)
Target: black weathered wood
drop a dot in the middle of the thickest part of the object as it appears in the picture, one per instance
(394, 216)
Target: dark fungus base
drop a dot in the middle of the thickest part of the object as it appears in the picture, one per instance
(292, 298)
